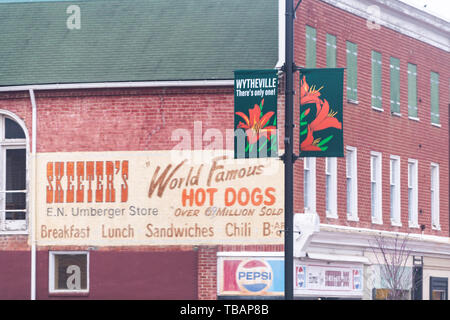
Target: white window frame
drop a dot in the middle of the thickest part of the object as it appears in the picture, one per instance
(51, 272)
(13, 226)
(331, 189)
(352, 214)
(309, 164)
(413, 218)
(435, 198)
(376, 183)
(395, 207)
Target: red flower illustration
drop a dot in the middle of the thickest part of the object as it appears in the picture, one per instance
(309, 144)
(255, 125)
(307, 94)
(324, 118)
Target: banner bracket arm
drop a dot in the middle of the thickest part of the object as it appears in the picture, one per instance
(298, 3)
(294, 157)
(297, 68)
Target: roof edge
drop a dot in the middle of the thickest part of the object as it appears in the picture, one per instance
(130, 84)
(400, 17)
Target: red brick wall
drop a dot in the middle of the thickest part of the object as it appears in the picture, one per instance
(143, 119)
(134, 273)
(15, 274)
(207, 273)
(369, 130)
(115, 120)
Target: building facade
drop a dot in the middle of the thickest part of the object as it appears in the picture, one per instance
(118, 178)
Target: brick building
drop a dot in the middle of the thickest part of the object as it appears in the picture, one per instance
(95, 96)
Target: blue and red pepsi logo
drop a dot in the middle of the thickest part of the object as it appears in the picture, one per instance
(254, 275)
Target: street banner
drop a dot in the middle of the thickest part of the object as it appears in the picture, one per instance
(255, 113)
(321, 112)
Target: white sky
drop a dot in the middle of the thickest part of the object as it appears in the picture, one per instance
(440, 8)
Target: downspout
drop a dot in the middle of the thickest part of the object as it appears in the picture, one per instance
(32, 219)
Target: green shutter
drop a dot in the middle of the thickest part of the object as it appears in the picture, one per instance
(395, 84)
(376, 80)
(352, 71)
(434, 98)
(310, 47)
(331, 51)
(412, 90)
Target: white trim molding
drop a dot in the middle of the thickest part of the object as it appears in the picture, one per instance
(250, 254)
(338, 257)
(109, 85)
(400, 17)
(349, 239)
(281, 33)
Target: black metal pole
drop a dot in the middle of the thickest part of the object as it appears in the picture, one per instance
(289, 156)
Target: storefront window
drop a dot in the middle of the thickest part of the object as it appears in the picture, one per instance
(438, 295)
(438, 288)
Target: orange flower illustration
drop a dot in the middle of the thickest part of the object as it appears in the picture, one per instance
(325, 118)
(309, 144)
(255, 124)
(307, 94)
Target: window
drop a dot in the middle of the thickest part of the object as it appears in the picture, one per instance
(352, 72)
(434, 84)
(394, 178)
(375, 187)
(434, 190)
(412, 193)
(412, 91)
(376, 81)
(13, 169)
(438, 288)
(69, 272)
(331, 187)
(331, 51)
(395, 85)
(309, 183)
(352, 185)
(311, 40)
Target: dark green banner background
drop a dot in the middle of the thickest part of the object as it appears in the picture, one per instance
(321, 112)
(255, 113)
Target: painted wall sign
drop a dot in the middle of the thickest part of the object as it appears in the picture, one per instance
(155, 197)
(315, 279)
(255, 113)
(251, 276)
(321, 112)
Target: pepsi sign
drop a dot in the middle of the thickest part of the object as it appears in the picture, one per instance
(251, 276)
(254, 275)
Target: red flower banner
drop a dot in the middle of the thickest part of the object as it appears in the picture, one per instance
(321, 118)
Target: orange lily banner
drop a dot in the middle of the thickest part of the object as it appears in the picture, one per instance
(255, 113)
(321, 112)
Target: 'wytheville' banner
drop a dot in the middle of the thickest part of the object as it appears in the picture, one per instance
(321, 112)
(255, 113)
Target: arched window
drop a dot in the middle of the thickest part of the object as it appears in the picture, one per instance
(13, 169)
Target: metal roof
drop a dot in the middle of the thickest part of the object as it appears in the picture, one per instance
(135, 40)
